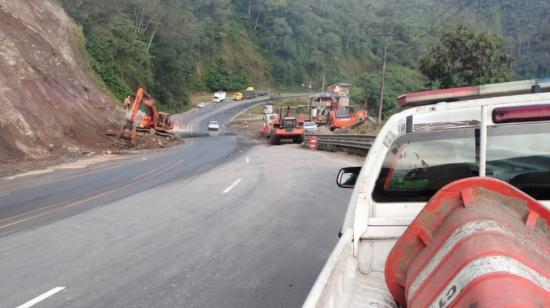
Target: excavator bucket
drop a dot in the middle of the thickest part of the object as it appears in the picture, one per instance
(129, 132)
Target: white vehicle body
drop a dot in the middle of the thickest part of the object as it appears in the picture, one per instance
(201, 105)
(268, 109)
(269, 118)
(353, 276)
(219, 97)
(310, 127)
(213, 125)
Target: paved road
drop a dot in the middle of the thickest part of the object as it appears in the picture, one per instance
(27, 201)
(211, 223)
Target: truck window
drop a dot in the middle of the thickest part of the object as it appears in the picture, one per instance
(418, 165)
(520, 155)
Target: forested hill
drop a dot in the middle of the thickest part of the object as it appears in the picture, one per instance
(174, 47)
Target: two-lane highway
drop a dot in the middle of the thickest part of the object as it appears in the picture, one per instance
(211, 223)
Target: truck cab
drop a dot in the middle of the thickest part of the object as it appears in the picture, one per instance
(500, 131)
(219, 97)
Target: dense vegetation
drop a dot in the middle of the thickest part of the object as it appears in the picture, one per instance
(464, 57)
(176, 46)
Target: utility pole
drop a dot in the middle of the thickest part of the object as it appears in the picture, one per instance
(381, 103)
(387, 37)
(323, 87)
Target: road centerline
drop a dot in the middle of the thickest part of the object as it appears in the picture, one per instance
(228, 189)
(41, 297)
(247, 160)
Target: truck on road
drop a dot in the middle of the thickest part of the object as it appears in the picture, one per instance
(250, 93)
(219, 97)
(496, 138)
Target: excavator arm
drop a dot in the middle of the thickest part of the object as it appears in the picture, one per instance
(158, 121)
(129, 130)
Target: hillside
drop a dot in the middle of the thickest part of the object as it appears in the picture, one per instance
(50, 104)
(175, 47)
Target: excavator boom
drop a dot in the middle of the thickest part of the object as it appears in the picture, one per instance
(160, 122)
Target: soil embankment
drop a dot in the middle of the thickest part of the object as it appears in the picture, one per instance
(50, 106)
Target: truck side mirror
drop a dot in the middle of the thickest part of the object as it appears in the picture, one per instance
(347, 177)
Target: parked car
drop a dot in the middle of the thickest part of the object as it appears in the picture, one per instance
(310, 127)
(213, 125)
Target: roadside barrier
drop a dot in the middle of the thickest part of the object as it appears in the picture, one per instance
(362, 142)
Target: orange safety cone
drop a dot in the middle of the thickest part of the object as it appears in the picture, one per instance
(313, 143)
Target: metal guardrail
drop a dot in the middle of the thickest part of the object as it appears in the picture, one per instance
(363, 142)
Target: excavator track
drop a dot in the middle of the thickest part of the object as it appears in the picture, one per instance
(164, 134)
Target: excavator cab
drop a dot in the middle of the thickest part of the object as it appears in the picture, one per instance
(163, 121)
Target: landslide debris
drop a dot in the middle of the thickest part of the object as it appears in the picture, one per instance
(50, 105)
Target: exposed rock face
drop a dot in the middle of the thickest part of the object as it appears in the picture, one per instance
(49, 104)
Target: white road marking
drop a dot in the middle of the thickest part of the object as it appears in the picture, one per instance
(36, 172)
(247, 160)
(228, 189)
(42, 297)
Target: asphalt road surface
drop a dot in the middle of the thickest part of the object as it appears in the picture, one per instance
(215, 222)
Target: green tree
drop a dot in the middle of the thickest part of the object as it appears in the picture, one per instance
(399, 80)
(464, 57)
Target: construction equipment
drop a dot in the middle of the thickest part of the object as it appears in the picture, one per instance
(160, 122)
(335, 115)
(345, 116)
(288, 124)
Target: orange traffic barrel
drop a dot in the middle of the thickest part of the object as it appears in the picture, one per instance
(313, 143)
(479, 242)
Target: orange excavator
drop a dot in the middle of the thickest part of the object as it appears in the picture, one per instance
(158, 121)
(345, 116)
(335, 115)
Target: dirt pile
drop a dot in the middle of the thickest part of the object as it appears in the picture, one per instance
(49, 104)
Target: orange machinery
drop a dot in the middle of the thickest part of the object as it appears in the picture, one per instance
(344, 116)
(288, 124)
(335, 115)
(158, 121)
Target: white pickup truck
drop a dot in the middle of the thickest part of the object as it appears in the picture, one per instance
(499, 130)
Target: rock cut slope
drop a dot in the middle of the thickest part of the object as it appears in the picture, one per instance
(49, 104)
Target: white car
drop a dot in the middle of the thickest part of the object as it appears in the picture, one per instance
(219, 97)
(201, 105)
(213, 125)
(310, 127)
